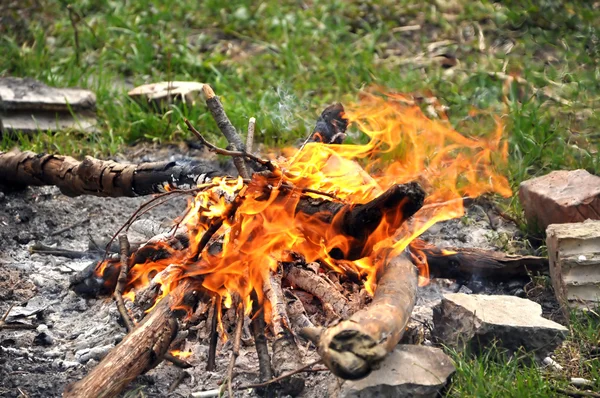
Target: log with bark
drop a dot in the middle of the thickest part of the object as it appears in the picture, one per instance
(354, 347)
(140, 350)
(100, 177)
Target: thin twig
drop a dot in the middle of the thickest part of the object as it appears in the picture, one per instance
(235, 352)
(576, 393)
(182, 375)
(214, 336)
(305, 368)
(69, 227)
(218, 113)
(140, 210)
(250, 135)
(13, 326)
(180, 363)
(218, 391)
(227, 152)
(40, 248)
(75, 32)
(122, 281)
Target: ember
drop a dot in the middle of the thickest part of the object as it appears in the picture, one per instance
(343, 211)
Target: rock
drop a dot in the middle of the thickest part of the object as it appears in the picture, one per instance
(32, 122)
(478, 321)
(27, 94)
(561, 197)
(408, 371)
(574, 255)
(186, 91)
(29, 106)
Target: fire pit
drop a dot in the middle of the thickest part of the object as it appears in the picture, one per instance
(319, 245)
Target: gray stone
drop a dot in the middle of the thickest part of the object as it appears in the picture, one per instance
(35, 121)
(29, 106)
(408, 371)
(478, 321)
(17, 94)
(574, 255)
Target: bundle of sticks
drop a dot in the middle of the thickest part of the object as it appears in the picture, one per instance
(354, 338)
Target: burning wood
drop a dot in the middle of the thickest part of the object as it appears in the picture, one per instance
(354, 347)
(246, 242)
(141, 350)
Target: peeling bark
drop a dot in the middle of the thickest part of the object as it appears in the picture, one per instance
(99, 177)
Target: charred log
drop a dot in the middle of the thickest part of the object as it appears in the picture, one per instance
(99, 177)
(465, 264)
(141, 350)
(395, 205)
(354, 347)
(331, 126)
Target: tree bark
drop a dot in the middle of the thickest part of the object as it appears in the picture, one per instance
(99, 177)
(354, 347)
(140, 351)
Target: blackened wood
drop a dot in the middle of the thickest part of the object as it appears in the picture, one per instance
(99, 177)
(331, 126)
(465, 264)
(396, 205)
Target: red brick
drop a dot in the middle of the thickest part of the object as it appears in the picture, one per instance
(561, 197)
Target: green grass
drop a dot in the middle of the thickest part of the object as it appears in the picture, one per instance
(283, 61)
(494, 373)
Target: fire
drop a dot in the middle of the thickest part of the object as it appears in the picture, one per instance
(259, 226)
(181, 354)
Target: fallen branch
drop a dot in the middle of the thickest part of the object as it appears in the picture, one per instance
(226, 152)
(140, 350)
(354, 347)
(235, 351)
(218, 391)
(260, 341)
(99, 177)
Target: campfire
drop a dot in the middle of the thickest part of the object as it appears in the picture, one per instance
(329, 220)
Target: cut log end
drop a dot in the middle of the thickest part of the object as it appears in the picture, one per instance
(355, 347)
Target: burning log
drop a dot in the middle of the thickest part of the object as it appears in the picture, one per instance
(99, 177)
(141, 350)
(286, 355)
(354, 347)
(467, 263)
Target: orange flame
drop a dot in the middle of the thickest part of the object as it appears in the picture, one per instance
(403, 145)
(181, 354)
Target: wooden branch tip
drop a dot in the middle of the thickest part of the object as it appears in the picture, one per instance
(208, 91)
